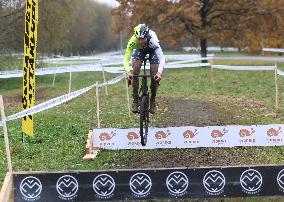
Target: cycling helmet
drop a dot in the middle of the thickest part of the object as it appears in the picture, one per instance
(141, 31)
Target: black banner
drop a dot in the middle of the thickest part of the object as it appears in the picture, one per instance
(150, 184)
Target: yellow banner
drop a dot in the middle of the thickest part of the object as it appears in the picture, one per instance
(29, 63)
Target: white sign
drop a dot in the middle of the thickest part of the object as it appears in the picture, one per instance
(190, 137)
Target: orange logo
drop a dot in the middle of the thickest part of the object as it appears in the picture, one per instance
(105, 136)
(218, 133)
(190, 134)
(245, 132)
(132, 136)
(162, 134)
(273, 132)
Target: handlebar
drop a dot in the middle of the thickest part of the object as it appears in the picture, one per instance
(143, 76)
(140, 76)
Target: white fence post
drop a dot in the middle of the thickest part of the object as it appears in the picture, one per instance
(103, 70)
(6, 138)
(276, 88)
(212, 73)
(70, 80)
(98, 104)
(53, 80)
(127, 96)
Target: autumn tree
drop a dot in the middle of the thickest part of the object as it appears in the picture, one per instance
(75, 27)
(91, 27)
(65, 27)
(223, 22)
(11, 17)
(266, 25)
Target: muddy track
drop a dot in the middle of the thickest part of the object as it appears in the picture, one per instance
(193, 113)
(16, 100)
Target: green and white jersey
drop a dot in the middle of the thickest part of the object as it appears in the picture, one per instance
(152, 43)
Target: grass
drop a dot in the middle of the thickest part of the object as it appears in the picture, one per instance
(8, 62)
(61, 132)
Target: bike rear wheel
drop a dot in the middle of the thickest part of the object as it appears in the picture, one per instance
(144, 119)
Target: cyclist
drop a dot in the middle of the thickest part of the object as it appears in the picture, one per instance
(145, 41)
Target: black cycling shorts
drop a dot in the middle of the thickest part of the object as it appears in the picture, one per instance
(140, 54)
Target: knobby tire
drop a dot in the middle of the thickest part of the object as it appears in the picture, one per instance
(144, 119)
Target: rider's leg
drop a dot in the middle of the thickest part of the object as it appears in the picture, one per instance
(136, 66)
(154, 88)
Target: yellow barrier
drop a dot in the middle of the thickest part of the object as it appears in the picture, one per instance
(29, 63)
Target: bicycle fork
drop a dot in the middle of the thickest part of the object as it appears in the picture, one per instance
(145, 93)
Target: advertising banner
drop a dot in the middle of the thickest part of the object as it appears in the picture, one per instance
(150, 184)
(190, 137)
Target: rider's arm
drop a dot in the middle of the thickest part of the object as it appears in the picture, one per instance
(132, 43)
(154, 43)
(161, 58)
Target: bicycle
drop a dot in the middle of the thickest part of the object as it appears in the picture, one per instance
(143, 102)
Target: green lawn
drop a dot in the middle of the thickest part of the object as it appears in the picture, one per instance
(61, 132)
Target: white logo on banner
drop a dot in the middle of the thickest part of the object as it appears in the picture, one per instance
(251, 181)
(280, 179)
(214, 182)
(67, 187)
(177, 183)
(140, 184)
(104, 185)
(30, 188)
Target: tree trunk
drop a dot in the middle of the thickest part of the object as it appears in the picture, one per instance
(203, 45)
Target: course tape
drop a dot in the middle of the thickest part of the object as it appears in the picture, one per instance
(47, 71)
(280, 72)
(190, 60)
(110, 63)
(86, 68)
(59, 100)
(190, 137)
(11, 74)
(170, 66)
(89, 68)
(276, 50)
(255, 58)
(243, 67)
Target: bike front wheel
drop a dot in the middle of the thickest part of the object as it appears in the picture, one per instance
(144, 119)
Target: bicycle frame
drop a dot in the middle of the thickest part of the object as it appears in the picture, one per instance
(144, 86)
(144, 105)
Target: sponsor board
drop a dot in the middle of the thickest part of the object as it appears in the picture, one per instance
(150, 184)
(190, 137)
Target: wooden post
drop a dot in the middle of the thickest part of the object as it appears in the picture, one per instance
(127, 96)
(98, 104)
(6, 139)
(6, 193)
(103, 70)
(212, 74)
(70, 78)
(276, 89)
(91, 152)
(53, 80)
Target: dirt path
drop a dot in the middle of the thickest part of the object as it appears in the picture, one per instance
(16, 100)
(193, 113)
